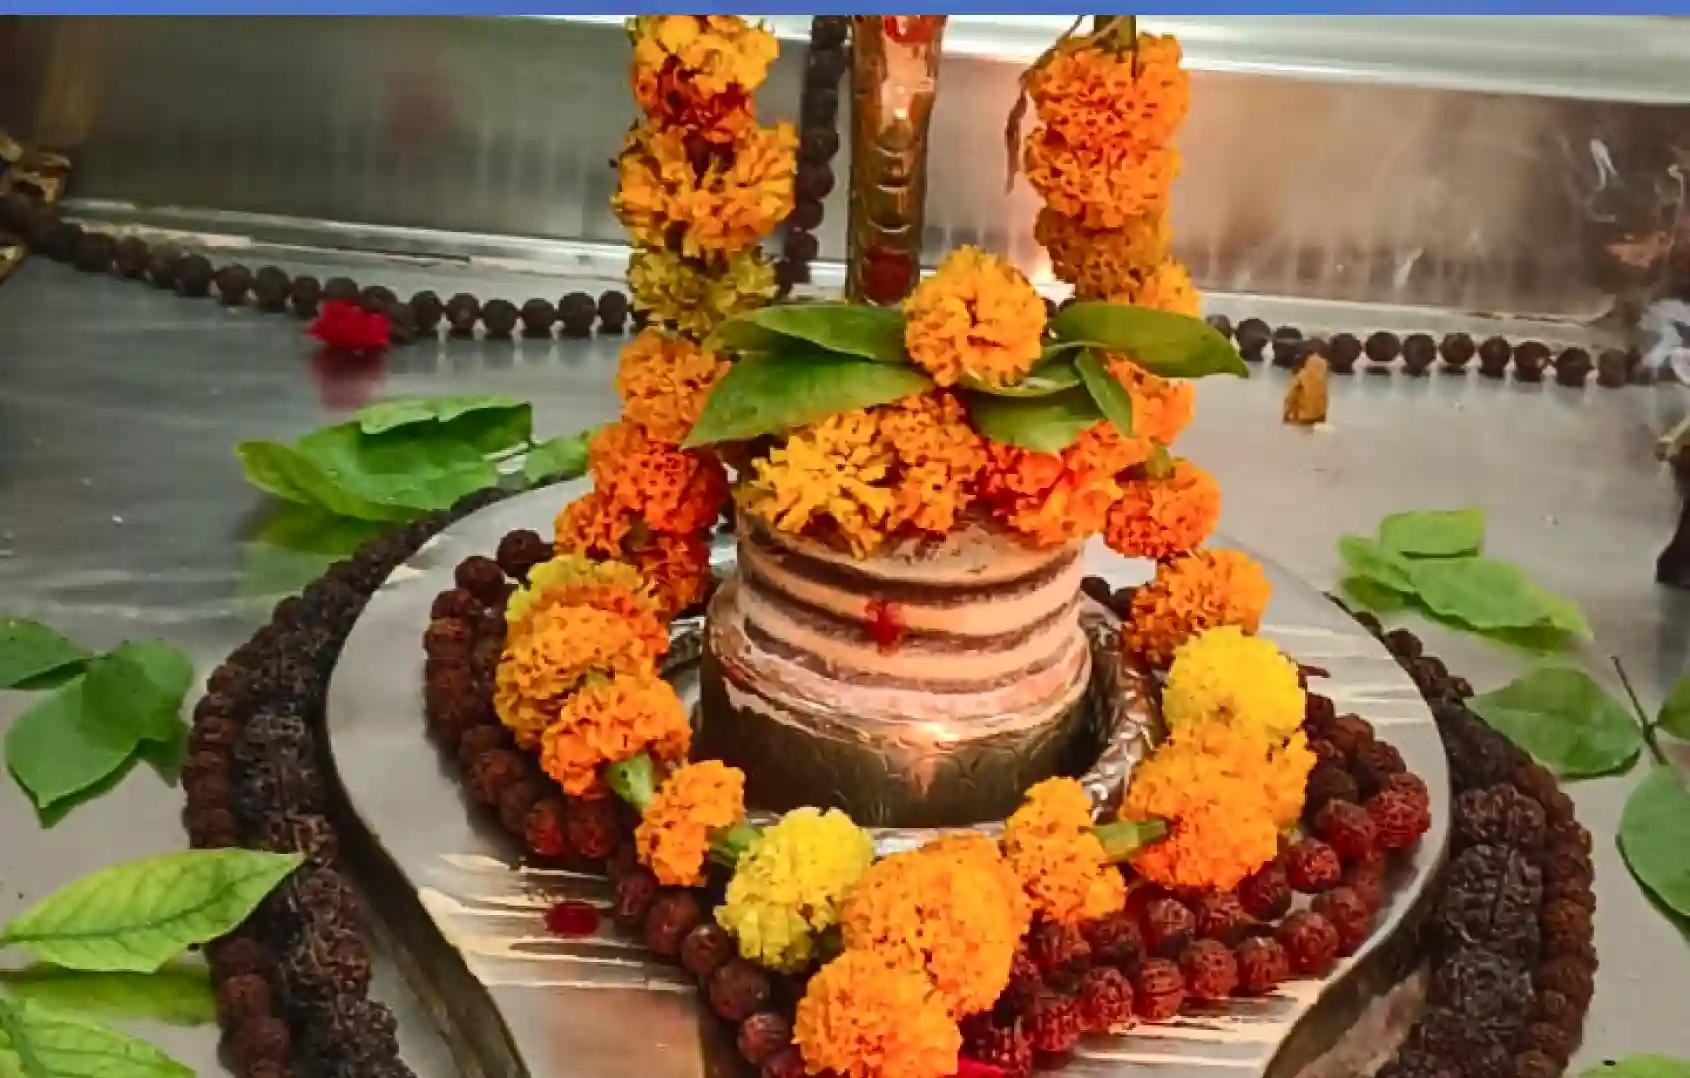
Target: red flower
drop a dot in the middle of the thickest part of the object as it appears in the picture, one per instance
(911, 29)
(885, 625)
(350, 328)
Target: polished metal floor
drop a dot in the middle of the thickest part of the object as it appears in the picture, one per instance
(123, 514)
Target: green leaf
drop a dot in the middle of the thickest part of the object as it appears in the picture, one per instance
(48, 1043)
(139, 685)
(178, 994)
(1171, 345)
(411, 468)
(1564, 719)
(1047, 377)
(564, 457)
(1370, 561)
(850, 329)
(58, 748)
(291, 476)
(1042, 424)
(389, 415)
(1369, 594)
(1655, 838)
(1107, 393)
(1675, 713)
(135, 917)
(1433, 533)
(29, 650)
(767, 394)
(49, 816)
(1643, 1066)
(1488, 594)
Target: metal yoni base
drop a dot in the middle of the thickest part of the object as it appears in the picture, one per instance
(515, 1000)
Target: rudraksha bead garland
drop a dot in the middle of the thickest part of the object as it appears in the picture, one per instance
(818, 142)
(1418, 354)
(291, 983)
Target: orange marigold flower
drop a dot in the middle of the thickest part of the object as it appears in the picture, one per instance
(826, 478)
(725, 208)
(953, 909)
(714, 54)
(1166, 286)
(861, 1018)
(1050, 844)
(676, 569)
(664, 381)
(1191, 593)
(1090, 93)
(673, 836)
(611, 719)
(1102, 185)
(977, 316)
(671, 98)
(558, 648)
(576, 580)
(1161, 516)
(1222, 790)
(654, 173)
(1058, 498)
(939, 457)
(672, 490)
(1102, 263)
(1162, 407)
(593, 526)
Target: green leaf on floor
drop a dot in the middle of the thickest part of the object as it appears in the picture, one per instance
(30, 650)
(564, 457)
(1368, 560)
(1655, 838)
(1675, 712)
(1565, 720)
(405, 411)
(59, 748)
(1484, 593)
(136, 916)
(37, 1041)
(1433, 533)
(1369, 594)
(1643, 1066)
(178, 994)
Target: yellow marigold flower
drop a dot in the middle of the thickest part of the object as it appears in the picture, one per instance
(790, 883)
(1222, 792)
(696, 296)
(561, 645)
(1103, 263)
(673, 490)
(664, 381)
(1288, 782)
(576, 580)
(654, 174)
(938, 458)
(715, 53)
(860, 1018)
(1162, 407)
(1102, 185)
(611, 719)
(673, 836)
(1049, 843)
(976, 316)
(826, 477)
(1157, 517)
(724, 208)
(953, 909)
(1090, 93)
(1223, 676)
(1191, 593)
(593, 526)
(1166, 286)
(676, 569)
(1058, 498)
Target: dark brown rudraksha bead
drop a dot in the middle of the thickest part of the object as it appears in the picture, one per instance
(462, 312)
(1418, 353)
(60, 241)
(193, 275)
(499, 317)
(376, 297)
(233, 955)
(806, 214)
(673, 914)
(705, 948)
(1572, 367)
(305, 295)
(636, 890)
(1530, 358)
(260, 1039)
(576, 312)
(762, 1035)
(537, 317)
(1494, 355)
(448, 637)
(515, 801)
(814, 181)
(612, 311)
(1564, 864)
(1570, 834)
(241, 997)
(427, 310)
(1534, 1064)
(829, 31)
(208, 790)
(738, 990)
(1343, 352)
(340, 290)
(211, 828)
(327, 897)
(1569, 976)
(1252, 336)
(482, 578)
(1550, 1039)
(827, 67)
(818, 145)
(544, 829)
(479, 739)
(521, 550)
(1612, 370)
(456, 603)
(310, 834)
(1558, 1010)
(94, 252)
(130, 256)
(161, 267)
(493, 771)
(820, 106)
(1286, 340)
(270, 288)
(233, 282)
(328, 960)
(801, 246)
(1382, 348)
(1457, 350)
(401, 326)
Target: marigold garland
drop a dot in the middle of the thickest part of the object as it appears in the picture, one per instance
(676, 569)
(722, 209)
(1050, 844)
(1191, 593)
(673, 836)
(1223, 676)
(976, 317)
(790, 884)
(593, 526)
(1058, 498)
(672, 490)
(694, 296)
(698, 72)
(1159, 516)
(1092, 91)
(828, 475)
(860, 1018)
(611, 719)
(664, 381)
(573, 580)
(558, 649)
(1162, 407)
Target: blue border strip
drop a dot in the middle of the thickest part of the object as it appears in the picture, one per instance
(774, 7)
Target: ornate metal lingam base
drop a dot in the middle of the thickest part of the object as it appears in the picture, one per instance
(516, 1000)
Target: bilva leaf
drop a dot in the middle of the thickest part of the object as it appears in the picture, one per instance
(58, 748)
(564, 457)
(135, 917)
(178, 994)
(850, 329)
(1433, 533)
(1564, 719)
(1106, 392)
(1655, 838)
(1047, 377)
(30, 650)
(1171, 345)
(1043, 424)
(1487, 594)
(1370, 561)
(405, 411)
(139, 684)
(47, 1042)
(770, 394)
